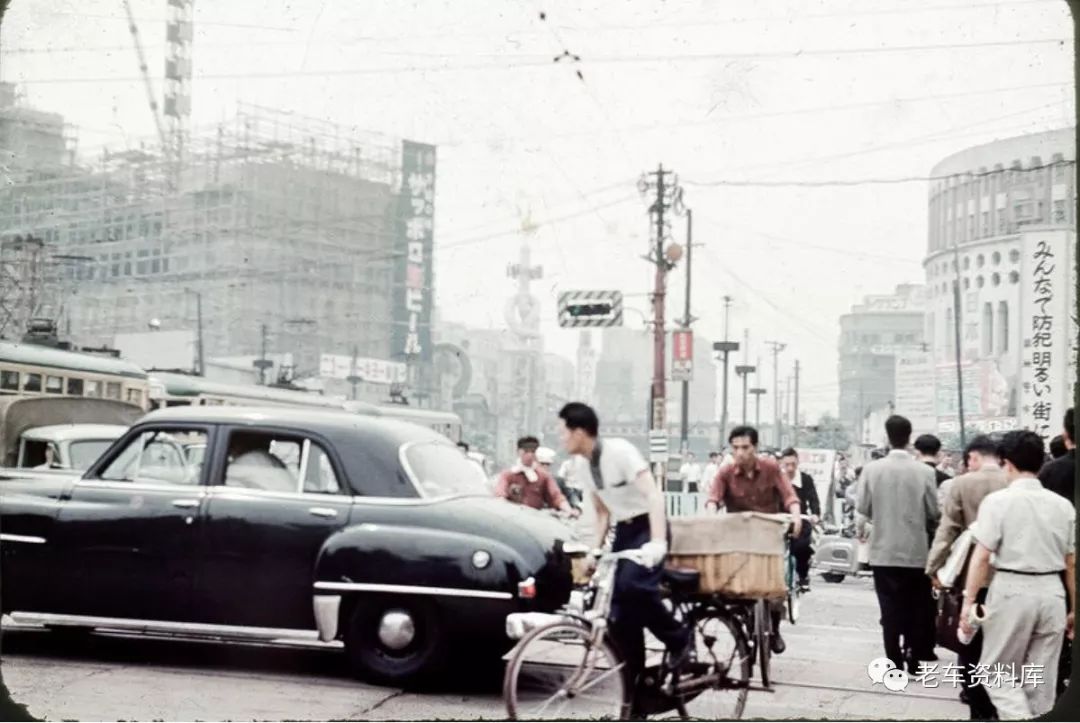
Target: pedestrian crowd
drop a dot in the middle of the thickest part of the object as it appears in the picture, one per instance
(982, 563)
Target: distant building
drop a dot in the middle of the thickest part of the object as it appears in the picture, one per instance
(1002, 224)
(871, 338)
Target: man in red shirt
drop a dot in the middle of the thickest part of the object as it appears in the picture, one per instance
(529, 484)
(755, 484)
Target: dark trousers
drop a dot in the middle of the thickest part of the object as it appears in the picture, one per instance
(907, 614)
(802, 551)
(968, 660)
(636, 602)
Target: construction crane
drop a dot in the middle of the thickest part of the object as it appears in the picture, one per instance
(145, 70)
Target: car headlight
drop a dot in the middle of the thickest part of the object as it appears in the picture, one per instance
(481, 559)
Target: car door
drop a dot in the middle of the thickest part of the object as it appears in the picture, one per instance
(127, 534)
(268, 514)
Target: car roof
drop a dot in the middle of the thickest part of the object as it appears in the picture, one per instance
(64, 432)
(329, 422)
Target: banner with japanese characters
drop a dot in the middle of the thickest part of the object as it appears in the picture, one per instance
(1047, 330)
(413, 292)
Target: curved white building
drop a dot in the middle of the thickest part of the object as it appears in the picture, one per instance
(1002, 225)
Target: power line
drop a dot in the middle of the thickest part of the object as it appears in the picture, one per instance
(875, 181)
(786, 54)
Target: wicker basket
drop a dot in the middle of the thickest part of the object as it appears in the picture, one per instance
(738, 555)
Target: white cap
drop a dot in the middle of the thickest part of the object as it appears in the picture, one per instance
(545, 455)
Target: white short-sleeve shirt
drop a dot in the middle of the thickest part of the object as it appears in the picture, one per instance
(620, 463)
(1027, 527)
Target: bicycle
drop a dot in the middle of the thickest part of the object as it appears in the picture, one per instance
(569, 658)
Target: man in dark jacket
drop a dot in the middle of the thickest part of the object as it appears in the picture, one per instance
(929, 448)
(801, 547)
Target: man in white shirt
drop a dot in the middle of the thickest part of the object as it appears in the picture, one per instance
(691, 473)
(1030, 531)
(709, 475)
(622, 488)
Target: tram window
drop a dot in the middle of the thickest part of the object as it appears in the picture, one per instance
(74, 387)
(134, 396)
(93, 388)
(54, 385)
(32, 383)
(112, 390)
(9, 380)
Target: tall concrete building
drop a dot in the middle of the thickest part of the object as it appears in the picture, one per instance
(1002, 225)
(872, 336)
(282, 234)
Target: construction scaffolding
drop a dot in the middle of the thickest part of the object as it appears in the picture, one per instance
(276, 219)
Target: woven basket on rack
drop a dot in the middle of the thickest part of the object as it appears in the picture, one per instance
(738, 555)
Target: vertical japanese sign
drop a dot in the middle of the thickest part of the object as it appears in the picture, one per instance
(414, 280)
(915, 392)
(1047, 329)
(682, 353)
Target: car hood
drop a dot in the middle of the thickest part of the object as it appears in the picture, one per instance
(505, 520)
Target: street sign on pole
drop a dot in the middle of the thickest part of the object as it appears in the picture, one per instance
(682, 355)
(590, 308)
(658, 446)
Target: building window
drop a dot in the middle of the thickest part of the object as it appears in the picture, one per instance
(1014, 277)
(979, 281)
(967, 263)
(1059, 211)
(980, 261)
(996, 258)
(1014, 256)
(1003, 327)
(985, 223)
(967, 283)
(995, 279)
(988, 330)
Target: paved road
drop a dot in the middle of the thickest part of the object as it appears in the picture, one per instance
(822, 675)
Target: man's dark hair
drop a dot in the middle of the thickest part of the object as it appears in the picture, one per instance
(1070, 425)
(743, 431)
(528, 441)
(983, 444)
(1024, 449)
(713, 455)
(789, 452)
(463, 445)
(1058, 448)
(898, 430)
(927, 444)
(577, 415)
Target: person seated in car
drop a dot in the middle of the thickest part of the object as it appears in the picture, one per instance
(252, 465)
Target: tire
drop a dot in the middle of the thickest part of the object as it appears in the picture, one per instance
(833, 577)
(762, 625)
(569, 655)
(721, 647)
(794, 600)
(372, 660)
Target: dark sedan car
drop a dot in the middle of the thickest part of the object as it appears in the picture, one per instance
(376, 532)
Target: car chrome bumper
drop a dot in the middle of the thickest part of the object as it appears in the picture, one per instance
(327, 614)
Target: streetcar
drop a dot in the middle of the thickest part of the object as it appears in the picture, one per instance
(34, 370)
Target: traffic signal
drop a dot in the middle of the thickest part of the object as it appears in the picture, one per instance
(587, 310)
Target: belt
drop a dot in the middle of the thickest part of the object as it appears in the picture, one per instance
(1026, 572)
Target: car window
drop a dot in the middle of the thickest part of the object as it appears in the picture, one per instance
(319, 474)
(85, 452)
(263, 461)
(441, 469)
(156, 456)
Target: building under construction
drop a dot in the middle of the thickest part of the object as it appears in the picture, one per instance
(276, 233)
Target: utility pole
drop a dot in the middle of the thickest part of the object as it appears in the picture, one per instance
(725, 348)
(668, 195)
(687, 320)
(199, 327)
(354, 378)
(757, 392)
(262, 363)
(795, 443)
(957, 321)
(776, 347)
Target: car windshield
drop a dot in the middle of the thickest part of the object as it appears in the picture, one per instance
(441, 469)
(86, 451)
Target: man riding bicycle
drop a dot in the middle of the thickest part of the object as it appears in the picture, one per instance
(623, 488)
(755, 484)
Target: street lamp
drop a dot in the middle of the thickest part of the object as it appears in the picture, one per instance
(201, 358)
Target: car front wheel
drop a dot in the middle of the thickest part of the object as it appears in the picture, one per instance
(395, 640)
(833, 577)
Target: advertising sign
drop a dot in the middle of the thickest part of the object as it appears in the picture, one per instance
(372, 371)
(1047, 330)
(821, 465)
(416, 225)
(682, 355)
(914, 384)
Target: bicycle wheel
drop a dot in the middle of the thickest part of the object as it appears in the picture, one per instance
(557, 672)
(715, 685)
(763, 635)
(794, 591)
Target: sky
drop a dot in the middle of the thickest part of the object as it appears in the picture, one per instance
(743, 100)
